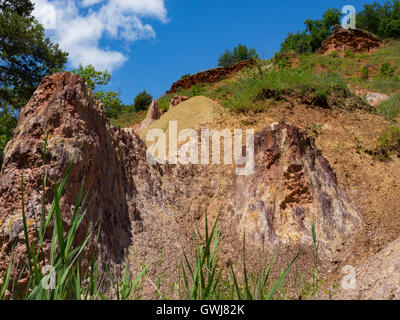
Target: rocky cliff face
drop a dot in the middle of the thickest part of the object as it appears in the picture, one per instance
(348, 39)
(209, 76)
(148, 210)
(64, 108)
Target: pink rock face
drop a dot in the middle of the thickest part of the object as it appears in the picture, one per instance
(153, 114)
(147, 210)
(177, 100)
(65, 109)
(209, 76)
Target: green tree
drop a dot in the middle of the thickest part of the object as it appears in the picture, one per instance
(142, 101)
(316, 32)
(299, 42)
(239, 53)
(26, 56)
(111, 101)
(382, 20)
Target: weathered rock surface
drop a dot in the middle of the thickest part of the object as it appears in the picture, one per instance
(153, 114)
(177, 100)
(355, 40)
(377, 279)
(152, 210)
(65, 109)
(209, 76)
(292, 186)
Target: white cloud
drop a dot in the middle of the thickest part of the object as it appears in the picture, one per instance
(80, 26)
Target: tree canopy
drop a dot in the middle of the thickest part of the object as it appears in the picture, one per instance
(316, 31)
(382, 20)
(26, 56)
(111, 101)
(142, 101)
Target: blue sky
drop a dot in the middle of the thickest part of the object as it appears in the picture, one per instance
(149, 44)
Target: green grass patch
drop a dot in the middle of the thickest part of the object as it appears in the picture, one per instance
(273, 84)
(390, 108)
(127, 119)
(389, 143)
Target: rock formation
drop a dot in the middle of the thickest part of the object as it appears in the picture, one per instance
(355, 40)
(209, 76)
(152, 209)
(153, 114)
(177, 100)
(64, 108)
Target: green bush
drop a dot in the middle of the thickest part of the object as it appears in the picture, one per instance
(388, 144)
(142, 101)
(282, 60)
(387, 69)
(8, 121)
(239, 53)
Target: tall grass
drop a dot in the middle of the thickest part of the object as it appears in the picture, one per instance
(390, 109)
(274, 83)
(74, 264)
(262, 287)
(205, 274)
(202, 279)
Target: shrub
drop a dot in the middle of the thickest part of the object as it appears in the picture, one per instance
(282, 60)
(389, 143)
(387, 69)
(334, 54)
(142, 101)
(239, 53)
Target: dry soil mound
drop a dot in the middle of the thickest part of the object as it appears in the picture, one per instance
(188, 114)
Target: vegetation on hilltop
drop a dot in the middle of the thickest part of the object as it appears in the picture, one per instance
(239, 53)
(382, 20)
(142, 101)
